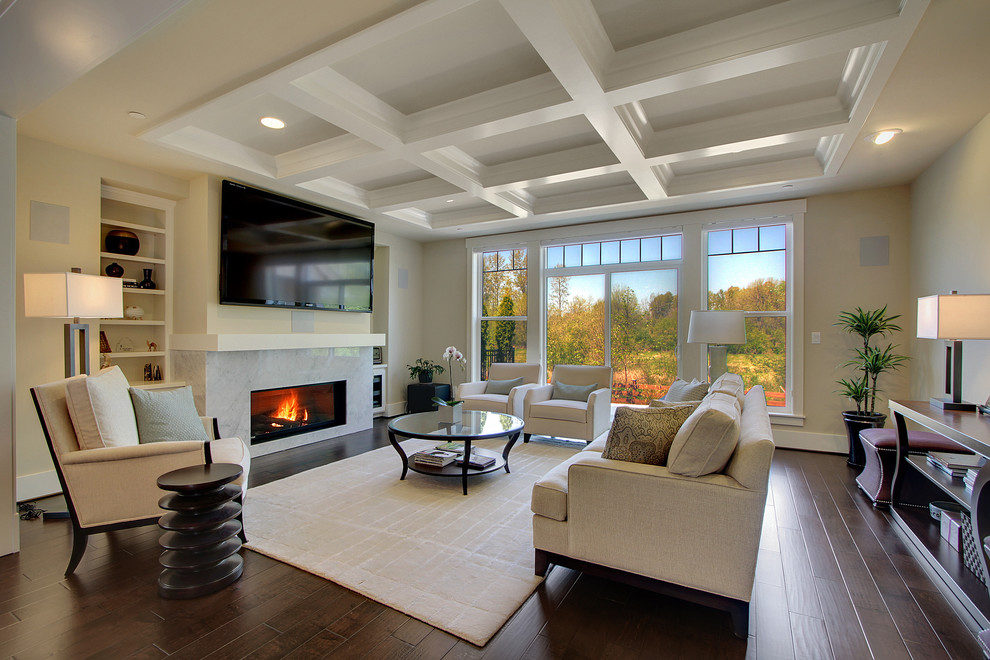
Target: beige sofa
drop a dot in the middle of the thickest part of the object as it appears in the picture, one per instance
(696, 538)
(115, 487)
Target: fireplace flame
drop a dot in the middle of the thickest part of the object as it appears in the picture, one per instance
(288, 409)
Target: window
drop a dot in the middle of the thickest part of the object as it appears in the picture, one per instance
(747, 270)
(503, 307)
(637, 336)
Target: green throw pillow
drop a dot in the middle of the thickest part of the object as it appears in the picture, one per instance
(572, 392)
(167, 415)
(502, 386)
(644, 435)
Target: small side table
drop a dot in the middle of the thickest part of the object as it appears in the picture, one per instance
(202, 525)
(419, 396)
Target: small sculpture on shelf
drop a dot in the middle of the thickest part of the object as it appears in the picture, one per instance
(121, 241)
(114, 270)
(152, 347)
(133, 313)
(147, 372)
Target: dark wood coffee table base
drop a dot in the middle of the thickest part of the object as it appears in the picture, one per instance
(201, 530)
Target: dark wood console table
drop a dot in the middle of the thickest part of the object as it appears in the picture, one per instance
(916, 483)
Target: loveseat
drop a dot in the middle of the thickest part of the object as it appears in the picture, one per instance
(693, 537)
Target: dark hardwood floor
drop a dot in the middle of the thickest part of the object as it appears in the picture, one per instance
(834, 580)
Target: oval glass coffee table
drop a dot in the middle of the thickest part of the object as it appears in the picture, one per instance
(474, 425)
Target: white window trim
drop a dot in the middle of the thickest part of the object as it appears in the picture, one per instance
(689, 223)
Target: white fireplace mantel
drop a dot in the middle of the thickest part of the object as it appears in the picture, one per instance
(264, 342)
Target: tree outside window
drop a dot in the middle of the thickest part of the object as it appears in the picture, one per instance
(503, 307)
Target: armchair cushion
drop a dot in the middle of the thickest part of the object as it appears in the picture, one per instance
(101, 411)
(707, 439)
(644, 435)
(573, 392)
(167, 415)
(503, 386)
(681, 390)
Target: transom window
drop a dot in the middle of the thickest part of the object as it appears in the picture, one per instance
(625, 251)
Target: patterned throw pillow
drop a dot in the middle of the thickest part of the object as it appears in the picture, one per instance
(644, 435)
(681, 390)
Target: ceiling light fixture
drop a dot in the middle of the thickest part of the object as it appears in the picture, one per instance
(272, 122)
(883, 137)
(134, 114)
(449, 201)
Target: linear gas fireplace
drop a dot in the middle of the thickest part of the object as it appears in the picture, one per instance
(283, 411)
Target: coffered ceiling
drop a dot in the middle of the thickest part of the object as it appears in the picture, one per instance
(479, 116)
(460, 112)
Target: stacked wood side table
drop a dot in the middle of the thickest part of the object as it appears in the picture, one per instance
(202, 529)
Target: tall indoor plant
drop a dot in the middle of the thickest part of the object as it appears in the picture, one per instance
(870, 363)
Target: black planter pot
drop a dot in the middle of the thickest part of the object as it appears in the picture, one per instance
(856, 422)
(425, 377)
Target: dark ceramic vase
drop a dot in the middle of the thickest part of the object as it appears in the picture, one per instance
(114, 270)
(147, 283)
(856, 422)
(121, 241)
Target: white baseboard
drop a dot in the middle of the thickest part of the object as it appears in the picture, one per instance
(38, 485)
(792, 438)
(395, 409)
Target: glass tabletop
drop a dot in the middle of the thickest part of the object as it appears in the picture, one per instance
(474, 424)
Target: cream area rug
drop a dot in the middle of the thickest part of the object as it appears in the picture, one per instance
(460, 563)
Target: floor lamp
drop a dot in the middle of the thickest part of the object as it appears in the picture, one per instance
(954, 317)
(73, 296)
(717, 329)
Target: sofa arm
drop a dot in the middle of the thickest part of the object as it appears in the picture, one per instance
(600, 409)
(535, 395)
(700, 532)
(517, 398)
(210, 424)
(472, 388)
(107, 454)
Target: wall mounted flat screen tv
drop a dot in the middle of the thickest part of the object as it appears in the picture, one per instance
(281, 252)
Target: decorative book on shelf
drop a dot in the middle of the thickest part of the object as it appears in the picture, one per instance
(954, 464)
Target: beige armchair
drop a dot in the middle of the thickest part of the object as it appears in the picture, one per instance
(547, 414)
(480, 395)
(111, 488)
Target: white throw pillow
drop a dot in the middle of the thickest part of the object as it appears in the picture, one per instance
(705, 442)
(101, 411)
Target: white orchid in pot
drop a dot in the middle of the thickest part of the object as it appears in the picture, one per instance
(450, 409)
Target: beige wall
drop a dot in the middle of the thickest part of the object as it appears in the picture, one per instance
(8, 166)
(949, 221)
(56, 175)
(834, 281)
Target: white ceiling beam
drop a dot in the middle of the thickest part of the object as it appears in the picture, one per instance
(211, 146)
(746, 175)
(316, 160)
(547, 165)
(407, 194)
(594, 198)
(570, 46)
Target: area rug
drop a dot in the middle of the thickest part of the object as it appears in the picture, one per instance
(460, 563)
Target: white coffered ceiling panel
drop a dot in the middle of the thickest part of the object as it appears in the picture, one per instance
(458, 113)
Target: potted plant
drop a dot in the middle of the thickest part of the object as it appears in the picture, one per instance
(424, 370)
(870, 363)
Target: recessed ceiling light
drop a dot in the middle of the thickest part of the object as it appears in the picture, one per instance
(134, 114)
(787, 186)
(883, 137)
(449, 201)
(272, 122)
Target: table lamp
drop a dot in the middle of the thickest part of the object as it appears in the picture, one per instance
(954, 317)
(73, 296)
(717, 329)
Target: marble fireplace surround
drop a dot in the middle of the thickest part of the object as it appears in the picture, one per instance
(224, 369)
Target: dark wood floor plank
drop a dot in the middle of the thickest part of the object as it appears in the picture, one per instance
(831, 566)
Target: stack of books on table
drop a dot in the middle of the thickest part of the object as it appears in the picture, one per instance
(954, 465)
(456, 447)
(434, 457)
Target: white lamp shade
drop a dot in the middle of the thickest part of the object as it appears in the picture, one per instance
(956, 316)
(717, 327)
(71, 295)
